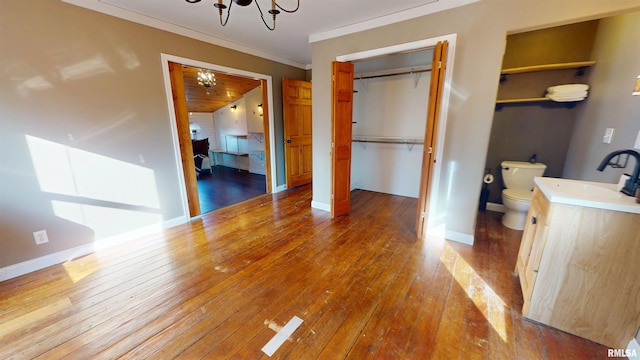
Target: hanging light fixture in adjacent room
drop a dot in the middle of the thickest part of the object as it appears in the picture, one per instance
(207, 79)
(275, 10)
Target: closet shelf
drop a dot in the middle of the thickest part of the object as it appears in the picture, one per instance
(546, 67)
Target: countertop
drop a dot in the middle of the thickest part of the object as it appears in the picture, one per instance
(587, 193)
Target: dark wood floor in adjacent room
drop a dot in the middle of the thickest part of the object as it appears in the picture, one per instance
(220, 286)
(225, 186)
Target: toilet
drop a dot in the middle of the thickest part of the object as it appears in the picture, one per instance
(517, 177)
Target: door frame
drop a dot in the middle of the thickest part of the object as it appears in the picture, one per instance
(444, 107)
(165, 59)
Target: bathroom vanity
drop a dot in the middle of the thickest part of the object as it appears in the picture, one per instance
(579, 260)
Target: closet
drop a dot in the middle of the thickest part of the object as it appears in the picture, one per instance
(389, 118)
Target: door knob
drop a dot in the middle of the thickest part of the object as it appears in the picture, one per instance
(288, 141)
(533, 220)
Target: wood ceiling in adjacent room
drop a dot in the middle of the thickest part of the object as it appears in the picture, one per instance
(228, 89)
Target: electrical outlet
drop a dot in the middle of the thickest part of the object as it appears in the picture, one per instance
(40, 237)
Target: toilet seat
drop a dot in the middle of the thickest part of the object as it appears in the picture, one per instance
(518, 194)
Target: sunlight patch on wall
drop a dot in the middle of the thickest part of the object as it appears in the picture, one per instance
(94, 190)
(101, 219)
(35, 83)
(86, 68)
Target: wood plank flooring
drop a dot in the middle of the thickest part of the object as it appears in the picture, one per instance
(221, 286)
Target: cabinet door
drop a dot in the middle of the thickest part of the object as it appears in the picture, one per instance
(532, 244)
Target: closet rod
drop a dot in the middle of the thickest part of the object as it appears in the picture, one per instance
(409, 142)
(393, 74)
(387, 140)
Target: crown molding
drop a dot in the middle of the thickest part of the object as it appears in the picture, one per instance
(104, 8)
(432, 8)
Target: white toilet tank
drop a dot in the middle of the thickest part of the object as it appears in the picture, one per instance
(520, 174)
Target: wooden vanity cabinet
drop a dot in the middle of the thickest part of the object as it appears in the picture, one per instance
(579, 270)
(532, 244)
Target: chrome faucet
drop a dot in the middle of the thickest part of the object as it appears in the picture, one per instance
(632, 183)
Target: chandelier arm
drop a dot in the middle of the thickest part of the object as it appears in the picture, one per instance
(288, 11)
(228, 14)
(265, 21)
(193, 1)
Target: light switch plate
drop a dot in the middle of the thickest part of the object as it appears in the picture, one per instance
(608, 135)
(637, 145)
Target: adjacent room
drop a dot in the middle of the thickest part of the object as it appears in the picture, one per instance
(227, 137)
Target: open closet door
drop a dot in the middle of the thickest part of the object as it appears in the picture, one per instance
(433, 113)
(341, 115)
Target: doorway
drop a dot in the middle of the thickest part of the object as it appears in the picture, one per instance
(434, 137)
(223, 148)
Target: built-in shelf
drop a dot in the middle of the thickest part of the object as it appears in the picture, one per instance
(523, 100)
(501, 103)
(547, 67)
(579, 65)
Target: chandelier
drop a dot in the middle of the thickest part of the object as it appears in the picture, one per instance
(206, 78)
(275, 10)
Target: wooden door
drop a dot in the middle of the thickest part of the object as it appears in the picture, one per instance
(184, 136)
(296, 98)
(438, 67)
(341, 120)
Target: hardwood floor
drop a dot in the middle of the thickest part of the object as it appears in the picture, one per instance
(225, 186)
(221, 286)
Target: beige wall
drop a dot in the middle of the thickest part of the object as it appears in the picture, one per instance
(86, 146)
(610, 103)
(481, 28)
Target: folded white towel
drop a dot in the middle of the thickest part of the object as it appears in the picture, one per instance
(572, 94)
(567, 88)
(565, 98)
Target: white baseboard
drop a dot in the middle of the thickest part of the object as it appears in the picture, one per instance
(280, 188)
(320, 206)
(495, 207)
(25, 267)
(441, 232)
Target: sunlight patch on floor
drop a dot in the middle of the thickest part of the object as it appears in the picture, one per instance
(483, 296)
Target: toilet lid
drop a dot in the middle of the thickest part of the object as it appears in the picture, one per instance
(518, 194)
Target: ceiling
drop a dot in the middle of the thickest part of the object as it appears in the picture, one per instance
(290, 42)
(228, 89)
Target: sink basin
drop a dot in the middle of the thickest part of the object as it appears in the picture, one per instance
(587, 193)
(585, 190)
